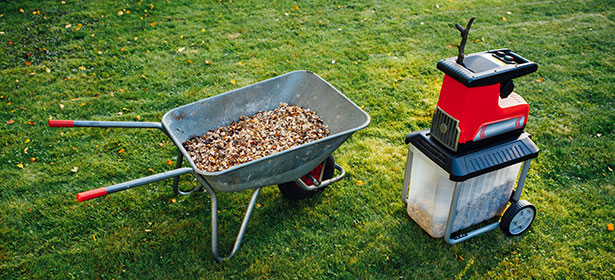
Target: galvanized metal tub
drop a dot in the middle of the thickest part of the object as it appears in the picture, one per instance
(301, 88)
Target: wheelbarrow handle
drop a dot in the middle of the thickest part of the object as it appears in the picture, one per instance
(87, 195)
(71, 123)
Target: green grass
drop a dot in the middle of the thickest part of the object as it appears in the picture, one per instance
(110, 67)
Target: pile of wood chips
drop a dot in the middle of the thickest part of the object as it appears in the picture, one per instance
(255, 136)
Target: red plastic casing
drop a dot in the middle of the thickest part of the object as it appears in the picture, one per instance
(83, 196)
(478, 106)
(61, 123)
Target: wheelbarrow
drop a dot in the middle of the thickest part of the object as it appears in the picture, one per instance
(299, 172)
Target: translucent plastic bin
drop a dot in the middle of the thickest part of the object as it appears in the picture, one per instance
(430, 192)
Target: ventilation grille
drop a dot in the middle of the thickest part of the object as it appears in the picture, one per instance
(445, 129)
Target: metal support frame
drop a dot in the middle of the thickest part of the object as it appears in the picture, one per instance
(175, 174)
(404, 190)
(521, 183)
(453, 211)
(176, 189)
(317, 184)
(214, 220)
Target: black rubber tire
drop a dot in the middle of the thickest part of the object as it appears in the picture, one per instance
(292, 191)
(521, 223)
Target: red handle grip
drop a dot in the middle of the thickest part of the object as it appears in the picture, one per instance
(61, 123)
(83, 196)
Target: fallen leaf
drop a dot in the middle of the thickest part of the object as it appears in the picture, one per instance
(610, 227)
(609, 168)
(120, 13)
(121, 151)
(27, 63)
(75, 169)
(233, 82)
(153, 24)
(173, 200)
(21, 10)
(143, 76)
(138, 117)
(296, 7)
(20, 165)
(32, 159)
(150, 170)
(189, 61)
(10, 122)
(181, 49)
(207, 62)
(258, 205)
(460, 257)
(540, 80)
(169, 162)
(203, 30)
(94, 237)
(27, 141)
(31, 123)
(359, 182)
(61, 106)
(148, 230)
(504, 18)
(47, 70)
(68, 26)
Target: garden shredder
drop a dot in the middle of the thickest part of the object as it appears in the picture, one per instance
(460, 173)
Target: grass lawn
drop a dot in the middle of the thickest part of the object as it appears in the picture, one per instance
(135, 60)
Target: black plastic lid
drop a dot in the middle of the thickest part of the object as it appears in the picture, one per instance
(475, 162)
(487, 68)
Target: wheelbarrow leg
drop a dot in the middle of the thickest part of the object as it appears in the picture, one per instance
(214, 220)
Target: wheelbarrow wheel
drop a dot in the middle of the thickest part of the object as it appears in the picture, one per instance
(292, 191)
(518, 218)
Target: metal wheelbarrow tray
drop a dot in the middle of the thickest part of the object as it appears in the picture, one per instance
(301, 88)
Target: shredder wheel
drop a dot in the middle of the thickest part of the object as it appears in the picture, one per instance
(292, 191)
(518, 218)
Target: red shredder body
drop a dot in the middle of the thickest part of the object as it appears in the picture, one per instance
(477, 101)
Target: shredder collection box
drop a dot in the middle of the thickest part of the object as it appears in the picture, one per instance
(485, 178)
